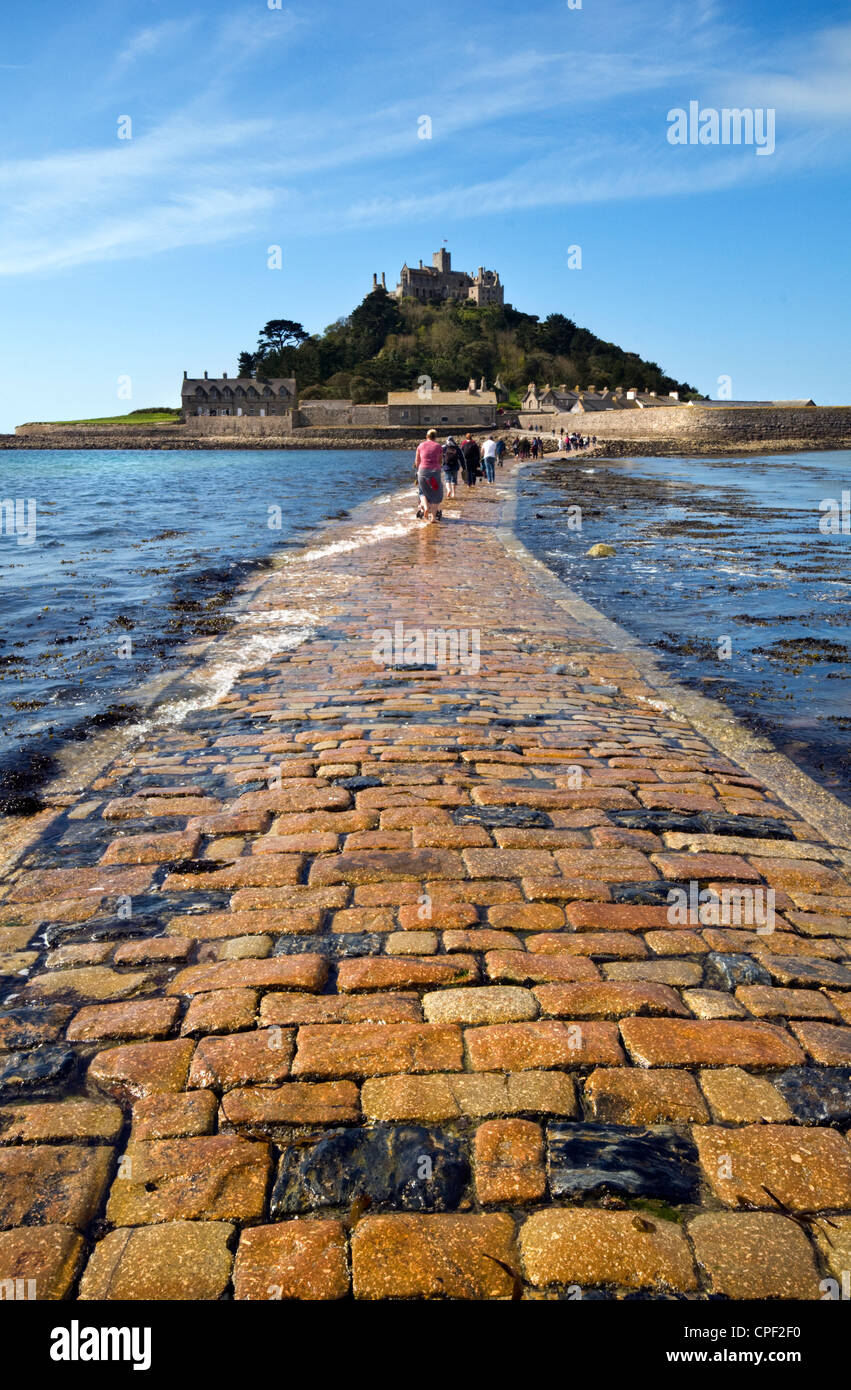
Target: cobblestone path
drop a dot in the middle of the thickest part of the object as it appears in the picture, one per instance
(364, 981)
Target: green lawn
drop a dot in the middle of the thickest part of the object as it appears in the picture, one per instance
(155, 416)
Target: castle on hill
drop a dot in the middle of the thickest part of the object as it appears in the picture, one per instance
(435, 283)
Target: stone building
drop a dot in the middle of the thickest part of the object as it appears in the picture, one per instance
(558, 400)
(236, 396)
(474, 407)
(432, 284)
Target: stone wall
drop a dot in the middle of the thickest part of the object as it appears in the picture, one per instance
(338, 414)
(671, 430)
(180, 437)
(246, 426)
(729, 426)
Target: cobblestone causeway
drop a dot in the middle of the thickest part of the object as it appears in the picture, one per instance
(363, 981)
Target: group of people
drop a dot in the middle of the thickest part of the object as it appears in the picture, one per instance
(437, 467)
(523, 448)
(567, 442)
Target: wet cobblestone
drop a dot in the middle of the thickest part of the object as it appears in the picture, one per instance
(392, 949)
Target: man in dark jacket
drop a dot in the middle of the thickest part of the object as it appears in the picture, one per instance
(472, 457)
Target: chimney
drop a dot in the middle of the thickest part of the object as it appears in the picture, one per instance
(383, 281)
(631, 393)
(184, 376)
(592, 389)
(374, 281)
(205, 376)
(651, 393)
(224, 376)
(674, 395)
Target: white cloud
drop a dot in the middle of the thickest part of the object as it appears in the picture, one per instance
(199, 177)
(216, 215)
(151, 40)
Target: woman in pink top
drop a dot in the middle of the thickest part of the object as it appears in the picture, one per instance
(428, 464)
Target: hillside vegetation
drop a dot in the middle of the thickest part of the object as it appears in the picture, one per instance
(385, 345)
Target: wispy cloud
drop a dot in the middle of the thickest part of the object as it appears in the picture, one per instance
(192, 220)
(150, 40)
(528, 123)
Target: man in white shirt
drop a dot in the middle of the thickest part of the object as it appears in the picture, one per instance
(489, 457)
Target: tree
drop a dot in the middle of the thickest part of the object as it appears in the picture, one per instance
(375, 317)
(385, 345)
(279, 334)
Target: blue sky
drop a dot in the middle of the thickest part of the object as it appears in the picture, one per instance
(254, 126)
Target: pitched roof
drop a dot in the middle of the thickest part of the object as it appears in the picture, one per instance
(439, 398)
(190, 384)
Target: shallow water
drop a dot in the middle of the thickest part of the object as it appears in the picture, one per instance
(722, 567)
(134, 554)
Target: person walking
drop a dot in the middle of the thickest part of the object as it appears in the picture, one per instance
(489, 457)
(472, 455)
(500, 451)
(452, 461)
(428, 464)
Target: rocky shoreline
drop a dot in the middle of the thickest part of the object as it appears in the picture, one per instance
(171, 437)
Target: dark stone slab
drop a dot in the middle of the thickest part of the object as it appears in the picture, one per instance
(751, 827)
(654, 894)
(22, 1073)
(496, 817)
(332, 945)
(587, 1160)
(357, 784)
(30, 1025)
(406, 1168)
(727, 970)
(817, 1095)
(702, 823)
